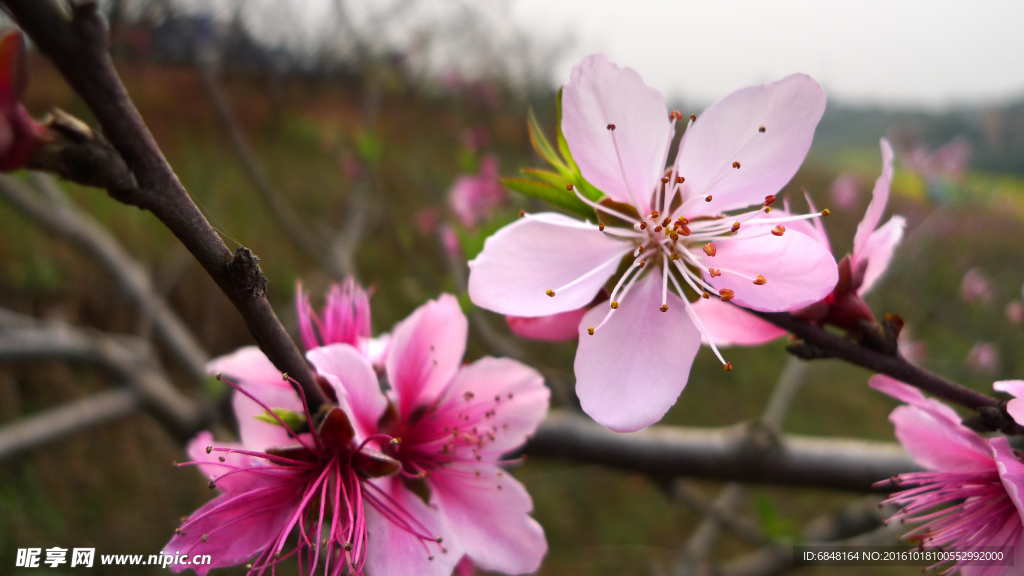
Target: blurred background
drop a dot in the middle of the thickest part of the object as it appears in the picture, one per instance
(375, 131)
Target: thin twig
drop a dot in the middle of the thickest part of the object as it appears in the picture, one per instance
(83, 231)
(77, 43)
(836, 346)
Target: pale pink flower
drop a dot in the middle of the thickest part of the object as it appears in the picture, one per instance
(671, 228)
(345, 319)
(983, 357)
(452, 424)
(873, 249)
(975, 288)
(1015, 312)
(474, 198)
(846, 190)
(317, 486)
(971, 494)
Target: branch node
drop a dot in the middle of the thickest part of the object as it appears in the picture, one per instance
(245, 275)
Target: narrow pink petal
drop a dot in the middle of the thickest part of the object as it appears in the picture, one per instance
(426, 351)
(630, 372)
(936, 444)
(879, 199)
(798, 269)
(729, 325)
(356, 376)
(1011, 472)
(542, 252)
(554, 328)
(600, 93)
(239, 531)
(488, 514)
(249, 368)
(1015, 407)
(910, 395)
(248, 364)
(729, 131)
(394, 551)
(812, 228)
(878, 251)
(514, 391)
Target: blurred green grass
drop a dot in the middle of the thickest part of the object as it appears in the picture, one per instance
(114, 488)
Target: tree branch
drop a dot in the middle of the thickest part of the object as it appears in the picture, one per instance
(82, 231)
(836, 346)
(77, 44)
(722, 454)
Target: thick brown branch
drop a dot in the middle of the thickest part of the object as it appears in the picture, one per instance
(77, 44)
(722, 454)
(895, 366)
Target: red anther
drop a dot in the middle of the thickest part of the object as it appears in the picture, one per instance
(693, 118)
(769, 199)
(715, 272)
(643, 225)
(640, 249)
(726, 294)
(657, 228)
(675, 115)
(682, 220)
(665, 222)
(761, 129)
(684, 230)
(680, 179)
(568, 187)
(710, 249)
(708, 199)
(760, 280)
(826, 212)
(674, 236)
(611, 126)
(643, 262)
(727, 366)
(522, 213)
(654, 215)
(735, 164)
(735, 226)
(664, 179)
(600, 226)
(779, 230)
(664, 308)
(706, 295)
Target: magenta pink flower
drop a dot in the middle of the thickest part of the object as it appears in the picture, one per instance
(453, 423)
(316, 487)
(873, 249)
(671, 228)
(474, 198)
(971, 494)
(345, 319)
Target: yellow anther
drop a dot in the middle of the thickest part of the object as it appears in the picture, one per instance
(826, 212)
(727, 366)
(522, 213)
(710, 249)
(760, 280)
(568, 187)
(726, 294)
(550, 292)
(600, 226)
(735, 226)
(615, 305)
(779, 230)
(664, 308)
(706, 295)
(590, 330)
(715, 272)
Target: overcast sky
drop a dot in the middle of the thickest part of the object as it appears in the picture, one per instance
(896, 52)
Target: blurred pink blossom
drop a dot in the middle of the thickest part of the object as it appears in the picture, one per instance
(450, 241)
(975, 288)
(474, 198)
(427, 221)
(913, 351)
(1015, 312)
(475, 139)
(971, 493)
(949, 161)
(983, 357)
(845, 190)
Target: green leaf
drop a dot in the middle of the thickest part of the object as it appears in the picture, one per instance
(293, 419)
(541, 144)
(553, 178)
(549, 193)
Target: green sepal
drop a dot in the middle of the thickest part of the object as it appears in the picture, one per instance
(553, 178)
(293, 419)
(542, 146)
(549, 193)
